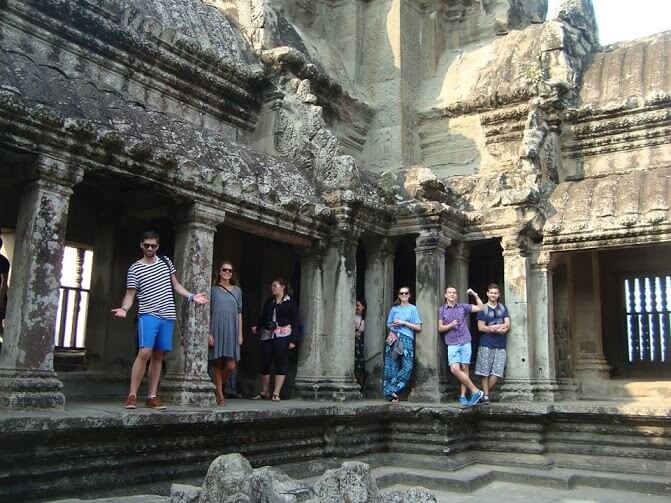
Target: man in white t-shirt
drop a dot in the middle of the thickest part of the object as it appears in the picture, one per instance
(152, 279)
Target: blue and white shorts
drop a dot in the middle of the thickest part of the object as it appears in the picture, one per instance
(491, 361)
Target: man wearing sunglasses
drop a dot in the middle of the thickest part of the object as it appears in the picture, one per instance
(152, 279)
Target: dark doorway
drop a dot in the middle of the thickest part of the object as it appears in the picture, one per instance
(486, 266)
(405, 272)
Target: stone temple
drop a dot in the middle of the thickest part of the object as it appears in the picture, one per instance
(353, 146)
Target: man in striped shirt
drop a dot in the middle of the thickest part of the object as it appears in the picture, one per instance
(152, 279)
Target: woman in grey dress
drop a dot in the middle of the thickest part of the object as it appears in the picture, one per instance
(226, 327)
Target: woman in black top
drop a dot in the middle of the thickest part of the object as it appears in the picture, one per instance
(278, 328)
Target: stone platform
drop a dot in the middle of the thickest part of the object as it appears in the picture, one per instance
(99, 448)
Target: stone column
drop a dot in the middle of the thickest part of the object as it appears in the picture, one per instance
(457, 267)
(330, 374)
(379, 296)
(187, 381)
(430, 259)
(519, 367)
(544, 386)
(27, 377)
(310, 363)
(591, 367)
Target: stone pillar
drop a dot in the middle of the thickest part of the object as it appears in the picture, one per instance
(541, 302)
(379, 297)
(27, 377)
(310, 363)
(430, 259)
(457, 268)
(187, 381)
(591, 367)
(330, 373)
(519, 367)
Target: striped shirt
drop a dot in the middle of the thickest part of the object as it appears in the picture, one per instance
(153, 285)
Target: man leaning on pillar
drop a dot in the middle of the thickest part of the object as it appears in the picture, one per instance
(152, 278)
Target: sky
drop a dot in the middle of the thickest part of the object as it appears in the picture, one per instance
(626, 19)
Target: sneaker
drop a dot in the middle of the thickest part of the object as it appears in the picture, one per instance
(485, 400)
(475, 398)
(463, 400)
(131, 402)
(155, 403)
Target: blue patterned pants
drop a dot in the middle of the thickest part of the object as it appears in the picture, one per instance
(397, 372)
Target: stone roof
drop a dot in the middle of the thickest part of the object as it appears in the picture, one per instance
(630, 69)
(85, 102)
(195, 19)
(634, 205)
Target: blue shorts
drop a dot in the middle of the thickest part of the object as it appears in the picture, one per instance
(459, 353)
(154, 332)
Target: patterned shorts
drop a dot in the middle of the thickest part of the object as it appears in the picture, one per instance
(490, 361)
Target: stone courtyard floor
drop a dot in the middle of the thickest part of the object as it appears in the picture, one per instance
(498, 492)
(470, 484)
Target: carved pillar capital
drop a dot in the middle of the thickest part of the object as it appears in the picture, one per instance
(58, 174)
(379, 247)
(431, 241)
(515, 245)
(198, 214)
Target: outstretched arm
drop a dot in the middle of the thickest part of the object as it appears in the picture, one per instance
(198, 298)
(126, 304)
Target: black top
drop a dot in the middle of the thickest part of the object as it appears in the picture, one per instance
(4, 265)
(286, 313)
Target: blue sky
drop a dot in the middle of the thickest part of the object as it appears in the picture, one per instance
(626, 19)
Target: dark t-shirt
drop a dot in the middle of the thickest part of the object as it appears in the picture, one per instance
(4, 265)
(4, 270)
(493, 316)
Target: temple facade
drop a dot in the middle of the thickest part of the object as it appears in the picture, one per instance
(352, 146)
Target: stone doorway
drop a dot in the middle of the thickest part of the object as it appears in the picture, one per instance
(257, 261)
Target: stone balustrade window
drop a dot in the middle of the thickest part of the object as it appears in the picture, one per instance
(73, 302)
(648, 318)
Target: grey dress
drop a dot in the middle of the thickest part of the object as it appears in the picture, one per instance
(224, 310)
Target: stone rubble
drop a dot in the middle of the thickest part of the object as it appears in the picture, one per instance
(231, 479)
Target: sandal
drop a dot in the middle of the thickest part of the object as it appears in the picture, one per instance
(261, 396)
(220, 398)
(276, 398)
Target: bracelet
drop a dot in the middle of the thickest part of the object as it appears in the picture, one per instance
(124, 308)
(189, 297)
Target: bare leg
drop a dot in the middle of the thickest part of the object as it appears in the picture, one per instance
(491, 382)
(139, 368)
(218, 381)
(226, 369)
(463, 377)
(155, 367)
(279, 381)
(265, 384)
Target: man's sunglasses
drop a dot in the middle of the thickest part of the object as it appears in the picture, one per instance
(149, 246)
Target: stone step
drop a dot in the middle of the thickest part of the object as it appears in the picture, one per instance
(473, 477)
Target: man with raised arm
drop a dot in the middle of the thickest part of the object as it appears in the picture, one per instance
(152, 279)
(453, 323)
